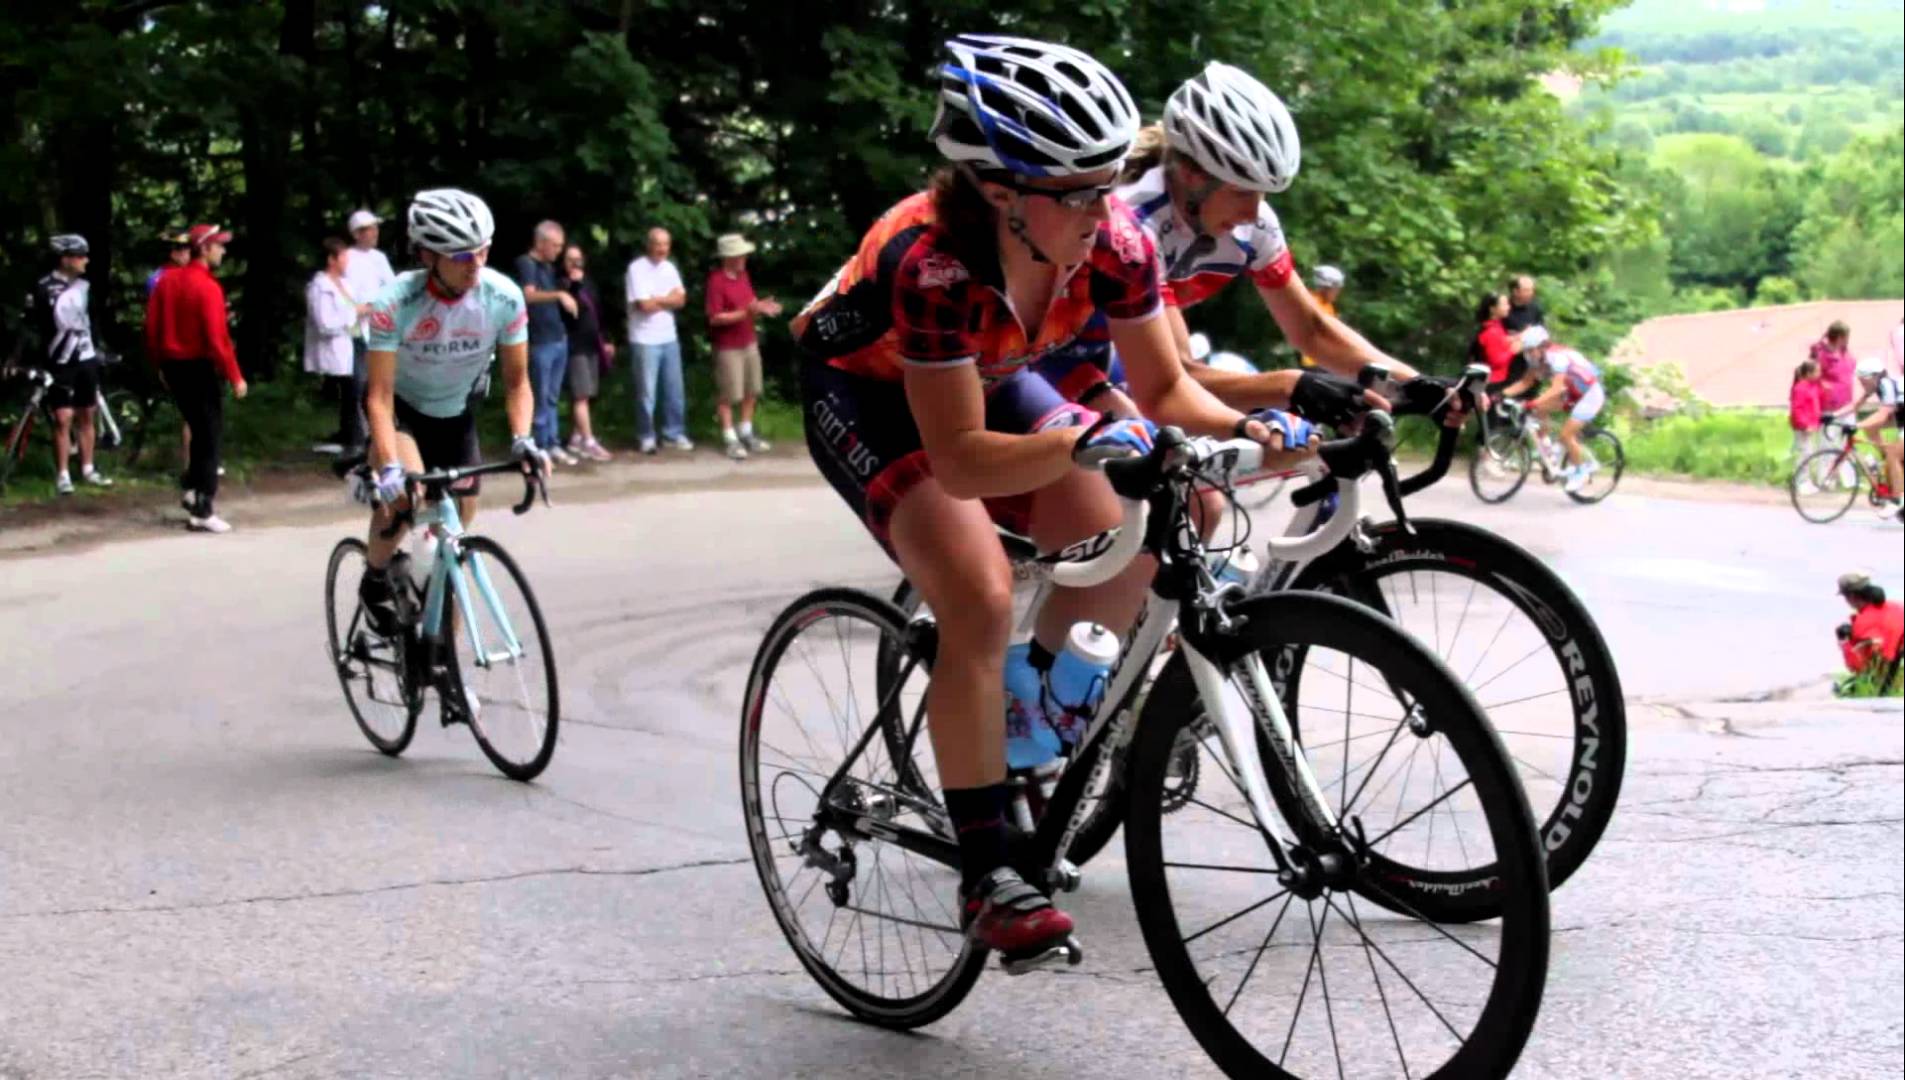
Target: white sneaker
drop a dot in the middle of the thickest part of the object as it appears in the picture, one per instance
(212, 524)
(187, 499)
(96, 478)
(1576, 479)
(332, 448)
(755, 444)
(595, 451)
(648, 446)
(564, 456)
(681, 442)
(63, 484)
(735, 450)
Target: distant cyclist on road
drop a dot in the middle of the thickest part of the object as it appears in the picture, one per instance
(433, 333)
(57, 318)
(1574, 383)
(1877, 382)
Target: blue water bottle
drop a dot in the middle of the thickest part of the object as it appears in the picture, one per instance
(1078, 679)
(1029, 739)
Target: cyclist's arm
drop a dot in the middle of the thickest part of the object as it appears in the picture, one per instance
(1522, 385)
(380, 404)
(1552, 397)
(1324, 337)
(1238, 389)
(1168, 396)
(519, 400)
(1878, 420)
(949, 407)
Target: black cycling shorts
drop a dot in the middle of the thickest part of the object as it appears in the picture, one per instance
(75, 385)
(444, 442)
(861, 434)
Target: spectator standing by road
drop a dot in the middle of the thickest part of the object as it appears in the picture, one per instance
(589, 353)
(1833, 354)
(189, 339)
(57, 314)
(1803, 411)
(1494, 346)
(732, 309)
(654, 292)
(178, 252)
(549, 303)
(1523, 309)
(1326, 284)
(366, 273)
(329, 320)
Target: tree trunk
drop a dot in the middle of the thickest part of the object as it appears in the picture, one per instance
(266, 125)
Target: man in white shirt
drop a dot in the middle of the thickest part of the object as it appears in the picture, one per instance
(366, 274)
(655, 292)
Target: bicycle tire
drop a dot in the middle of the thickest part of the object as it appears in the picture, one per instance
(451, 654)
(15, 451)
(1506, 448)
(1828, 463)
(1572, 827)
(900, 1011)
(1513, 994)
(1605, 446)
(391, 745)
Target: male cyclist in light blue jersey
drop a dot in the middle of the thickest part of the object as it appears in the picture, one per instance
(432, 335)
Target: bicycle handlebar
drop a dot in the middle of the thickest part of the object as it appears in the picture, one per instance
(534, 484)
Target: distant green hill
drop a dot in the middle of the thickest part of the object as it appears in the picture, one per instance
(1684, 16)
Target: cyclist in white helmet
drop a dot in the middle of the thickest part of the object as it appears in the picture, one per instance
(1879, 383)
(1197, 184)
(1574, 384)
(433, 333)
(923, 412)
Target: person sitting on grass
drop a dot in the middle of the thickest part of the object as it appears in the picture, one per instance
(1870, 642)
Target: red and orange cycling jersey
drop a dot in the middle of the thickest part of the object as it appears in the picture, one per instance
(909, 297)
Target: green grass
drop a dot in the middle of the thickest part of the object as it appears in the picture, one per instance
(1865, 684)
(1752, 446)
(274, 427)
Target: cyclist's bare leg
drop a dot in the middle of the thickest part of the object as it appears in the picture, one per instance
(1077, 507)
(63, 438)
(88, 434)
(950, 552)
(1571, 438)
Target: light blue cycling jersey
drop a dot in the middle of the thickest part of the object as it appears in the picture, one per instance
(444, 346)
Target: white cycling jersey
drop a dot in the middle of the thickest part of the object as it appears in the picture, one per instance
(1195, 266)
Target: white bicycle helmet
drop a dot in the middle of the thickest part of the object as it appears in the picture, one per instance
(69, 244)
(449, 222)
(1326, 277)
(1871, 367)
(1533, 338)
(1235, 129)
(1031, 108)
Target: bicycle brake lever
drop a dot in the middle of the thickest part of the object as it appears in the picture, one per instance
(1392, 491)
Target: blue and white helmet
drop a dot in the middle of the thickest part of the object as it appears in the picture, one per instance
(1031, 108)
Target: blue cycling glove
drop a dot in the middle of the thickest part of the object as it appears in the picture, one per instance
(1112, 438)
(1296, 430)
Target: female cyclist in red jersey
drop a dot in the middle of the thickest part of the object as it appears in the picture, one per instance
(923, 412)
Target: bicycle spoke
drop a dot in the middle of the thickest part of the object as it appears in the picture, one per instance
(1228, 919)
(1370, 943)
(1531, 654)
(1316, 947)
(1219, 867)
(1405, 822)
(1354, 919)
(1251, 970)
(1426, 921)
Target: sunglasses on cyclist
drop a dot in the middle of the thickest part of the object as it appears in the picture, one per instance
(467, 256)
(1077, 198)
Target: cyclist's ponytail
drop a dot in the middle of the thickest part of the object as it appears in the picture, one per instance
(1150, 151)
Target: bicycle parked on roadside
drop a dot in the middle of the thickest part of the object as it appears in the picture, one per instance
(1519, 637)
(467, 626)
(857, 854)
(1508, 454)
(1826, 482)
(21, 418)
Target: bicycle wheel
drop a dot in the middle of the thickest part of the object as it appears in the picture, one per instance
(1500, 466)
(1522, 643)
(1603, 448)
(375, 671)
(1103, 812)
(1337, 988)
(1821, 489)
(874, 921)
(18, 437)
(509, 686)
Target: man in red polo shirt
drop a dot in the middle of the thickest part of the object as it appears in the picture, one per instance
(189, 339)
(732, 309)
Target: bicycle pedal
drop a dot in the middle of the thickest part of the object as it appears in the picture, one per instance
(1068, 950)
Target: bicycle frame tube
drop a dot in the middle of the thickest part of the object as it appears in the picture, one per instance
(1234, 731)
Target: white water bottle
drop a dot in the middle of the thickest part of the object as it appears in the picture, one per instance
(1078, 678)
(1238, 567)
(423, 555)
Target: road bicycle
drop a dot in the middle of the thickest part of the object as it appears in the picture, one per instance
(859, 862)
(1519, 637)
(485, 649)
(1826, 482)
(1507, 454)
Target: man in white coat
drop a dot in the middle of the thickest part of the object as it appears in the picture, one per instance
(330, 323)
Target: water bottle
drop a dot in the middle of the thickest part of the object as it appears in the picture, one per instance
(423, 556)
(1030, 741)
(1078, 678)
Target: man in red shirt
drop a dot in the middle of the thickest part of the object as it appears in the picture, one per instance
(1877, 626)
(189, 339)
(732, 309)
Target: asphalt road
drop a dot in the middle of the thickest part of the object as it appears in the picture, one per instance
(205, 871)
